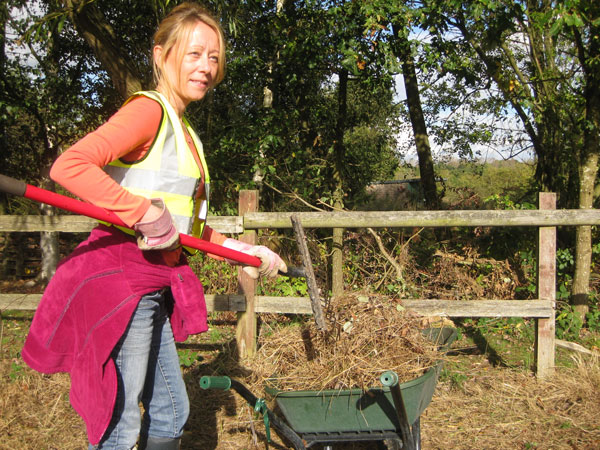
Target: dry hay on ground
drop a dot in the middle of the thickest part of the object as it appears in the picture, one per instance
(504, 408)
(35, 412)
(367, 335)
(478, 406)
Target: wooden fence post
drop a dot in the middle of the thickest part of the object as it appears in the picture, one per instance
(337, 263)
(246, 321)
(545, 328)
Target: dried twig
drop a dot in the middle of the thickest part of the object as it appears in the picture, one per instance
(390, 259)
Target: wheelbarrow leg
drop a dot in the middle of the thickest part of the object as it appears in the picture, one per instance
(285, 430)
(390, 379)
(416, 432)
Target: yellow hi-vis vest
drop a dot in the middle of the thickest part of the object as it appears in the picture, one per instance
(168, 171)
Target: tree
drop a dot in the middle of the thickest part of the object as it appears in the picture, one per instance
(310, 131)
(538, 60)
(389, 23)
(403, 51)
(44, 89)
(98, 33)
(583, 20)
(294, 140)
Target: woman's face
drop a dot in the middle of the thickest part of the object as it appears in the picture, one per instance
(194, 76)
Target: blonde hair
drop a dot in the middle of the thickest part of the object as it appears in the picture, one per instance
(177, 27)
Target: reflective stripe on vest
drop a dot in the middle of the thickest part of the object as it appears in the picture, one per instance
(168, 171)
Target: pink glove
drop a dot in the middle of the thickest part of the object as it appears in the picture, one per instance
(157, 234)
(270, 265)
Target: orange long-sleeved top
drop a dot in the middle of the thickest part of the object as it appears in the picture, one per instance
(128, 134)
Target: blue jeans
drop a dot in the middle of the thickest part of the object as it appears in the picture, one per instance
(148, 371)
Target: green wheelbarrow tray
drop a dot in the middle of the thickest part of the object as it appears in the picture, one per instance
(357, 411)
(392, 412)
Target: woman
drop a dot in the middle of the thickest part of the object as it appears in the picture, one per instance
(115, 307)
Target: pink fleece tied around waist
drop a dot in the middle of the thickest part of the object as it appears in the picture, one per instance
(86, 308)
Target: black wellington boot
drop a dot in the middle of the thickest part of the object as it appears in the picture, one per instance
(156, 443)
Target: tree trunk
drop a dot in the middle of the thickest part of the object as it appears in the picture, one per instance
(3, 140)
(337, 279)
(583, 235)
(581, 278)
(48, 241)
(413, 99)
(100, 36)
(588, 170)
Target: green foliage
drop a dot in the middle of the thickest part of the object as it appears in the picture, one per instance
(187, 358)
(286, 286)
(215, 335)
(498, 201)
(510, 328)
(564, 269)
(593, 320)
(456, 378)
(528, 264)
(480, 72)
(568, 323)
(45, 89)
(293, 53)
(489, 185)
(16, 371)
(216, 276)
(292, 140)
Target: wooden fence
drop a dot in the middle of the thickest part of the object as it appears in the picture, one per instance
(248, 304)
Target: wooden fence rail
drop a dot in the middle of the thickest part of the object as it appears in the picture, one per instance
(346, 219)
(247, 304)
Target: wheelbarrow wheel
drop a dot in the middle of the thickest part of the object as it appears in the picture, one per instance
(391, 444)
(397, 444)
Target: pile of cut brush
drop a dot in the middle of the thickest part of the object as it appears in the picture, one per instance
(367, 335)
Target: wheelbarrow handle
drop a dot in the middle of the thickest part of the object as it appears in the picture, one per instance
(225, 383)
(20, 188)
(215, 382)
(391, 380)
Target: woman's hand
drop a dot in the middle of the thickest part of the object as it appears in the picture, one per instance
(156, 230)
(271, 262)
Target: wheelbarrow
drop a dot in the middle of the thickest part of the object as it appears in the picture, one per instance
(389, 414)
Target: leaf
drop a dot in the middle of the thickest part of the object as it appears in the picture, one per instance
(347, 327)
(61, 23)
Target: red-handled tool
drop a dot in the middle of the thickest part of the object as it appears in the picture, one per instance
(22, 189)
